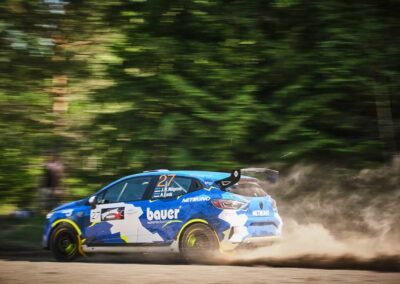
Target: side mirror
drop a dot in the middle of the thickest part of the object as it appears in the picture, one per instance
(92, 201)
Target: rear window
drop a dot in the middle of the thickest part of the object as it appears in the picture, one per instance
(247, 187)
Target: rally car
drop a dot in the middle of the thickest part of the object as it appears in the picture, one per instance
(186, 212)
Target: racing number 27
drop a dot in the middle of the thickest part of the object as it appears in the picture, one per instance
(165, 180)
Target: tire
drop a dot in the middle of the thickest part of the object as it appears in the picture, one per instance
(64, 243)
(199, 244)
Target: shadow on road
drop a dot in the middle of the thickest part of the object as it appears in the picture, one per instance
(379, 263)
(46, 256)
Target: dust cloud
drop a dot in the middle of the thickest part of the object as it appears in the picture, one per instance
(336, 218)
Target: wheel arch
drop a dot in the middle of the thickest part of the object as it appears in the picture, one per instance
(191, 223)
(61, 222)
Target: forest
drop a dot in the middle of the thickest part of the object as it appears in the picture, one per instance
(117, 87)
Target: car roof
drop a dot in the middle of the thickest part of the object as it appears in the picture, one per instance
(204, 175)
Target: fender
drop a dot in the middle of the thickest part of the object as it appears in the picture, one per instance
(178, 236)
(193, 221)
(77, 229)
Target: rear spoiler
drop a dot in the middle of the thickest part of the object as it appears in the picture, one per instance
(272, 176)
(229, 181)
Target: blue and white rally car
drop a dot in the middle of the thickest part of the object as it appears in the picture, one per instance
(186, 212)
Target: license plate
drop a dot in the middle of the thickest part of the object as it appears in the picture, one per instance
(260, 213)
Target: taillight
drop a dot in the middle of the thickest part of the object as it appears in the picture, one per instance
(228, 204)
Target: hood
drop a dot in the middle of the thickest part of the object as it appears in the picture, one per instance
(70, 205)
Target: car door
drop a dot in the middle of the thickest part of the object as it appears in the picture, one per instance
(165, 212)
(115, 218)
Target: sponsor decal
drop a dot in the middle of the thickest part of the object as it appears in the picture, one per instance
(196, 199)
(260, 213)
(108, 214)
(163, 214)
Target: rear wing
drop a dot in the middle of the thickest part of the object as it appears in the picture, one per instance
(229, 181)
(271, 176)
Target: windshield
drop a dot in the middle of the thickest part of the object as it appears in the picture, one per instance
(247, 187)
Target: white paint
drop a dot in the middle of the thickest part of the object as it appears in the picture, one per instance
(130, 227)
(235, 220)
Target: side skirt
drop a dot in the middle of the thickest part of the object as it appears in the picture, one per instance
(132, 248)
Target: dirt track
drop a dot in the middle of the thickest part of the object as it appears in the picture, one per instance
(44, 270)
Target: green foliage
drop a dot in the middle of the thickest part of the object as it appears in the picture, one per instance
(196, 84)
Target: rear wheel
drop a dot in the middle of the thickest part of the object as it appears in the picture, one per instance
(199, 244)
(64, 243)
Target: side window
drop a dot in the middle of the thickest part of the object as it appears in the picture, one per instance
(196, 185)
(111, 195)
(135, 189)
(128, 190)
(170, 186)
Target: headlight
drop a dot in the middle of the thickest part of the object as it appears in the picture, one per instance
(48, 216)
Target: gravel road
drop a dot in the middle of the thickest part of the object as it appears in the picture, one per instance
(44, 270)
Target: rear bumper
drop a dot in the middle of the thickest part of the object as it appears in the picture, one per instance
(261, 240)
(254, 242)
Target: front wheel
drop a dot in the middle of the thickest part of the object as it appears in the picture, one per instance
(199, 244)
(64, 243)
